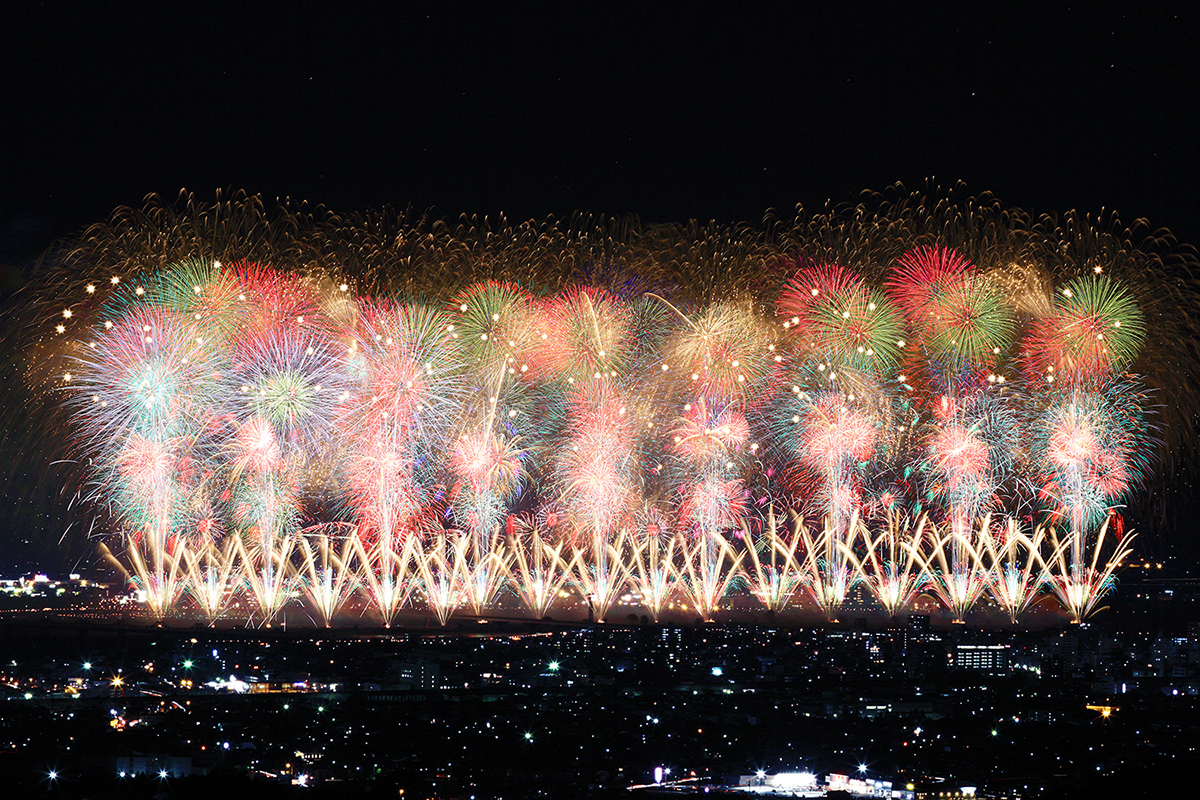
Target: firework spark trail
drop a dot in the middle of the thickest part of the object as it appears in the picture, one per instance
(963, 325)
(597, 465)
(586, 351)
(445, 570)
(396, 417)
(827, 437)
(496, 328)
(537, 568)
(490, 472)
(230, 415)
(890, 564)
(953, 566)
(210, 574)
(710, 566)
(1090, 443)
(774, 575)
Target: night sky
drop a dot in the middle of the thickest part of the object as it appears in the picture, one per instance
(709, 112)
(671, 113)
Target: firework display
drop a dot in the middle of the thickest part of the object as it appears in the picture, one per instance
(265, 435)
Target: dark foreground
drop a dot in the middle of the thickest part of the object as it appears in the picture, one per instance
(1106, 710)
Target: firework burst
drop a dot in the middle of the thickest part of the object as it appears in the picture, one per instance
(1095, 329)
(837, 319)
(261, 433)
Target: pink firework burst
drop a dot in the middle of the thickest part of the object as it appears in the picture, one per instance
(833, 433)
(396, 389)
(714, 505)
(596, 464)
(266, 298)
(256, 447)
(488, 464)
(584, 333)
(960, 457)
(817, 284)
(146, 465)
(406, 371)
(1073, 445)
(1088, 456)
(1109, 473)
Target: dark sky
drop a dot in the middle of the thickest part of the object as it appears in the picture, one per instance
(669, 111)
(679, 112)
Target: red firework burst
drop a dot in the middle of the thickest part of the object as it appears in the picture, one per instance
(923, 281)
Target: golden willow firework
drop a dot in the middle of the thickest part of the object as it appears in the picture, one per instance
(382, 412)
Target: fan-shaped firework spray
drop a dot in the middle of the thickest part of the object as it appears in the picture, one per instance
(890, 565)
(652, 571)
(1014, 565)
(538, 567)
(774, 572)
